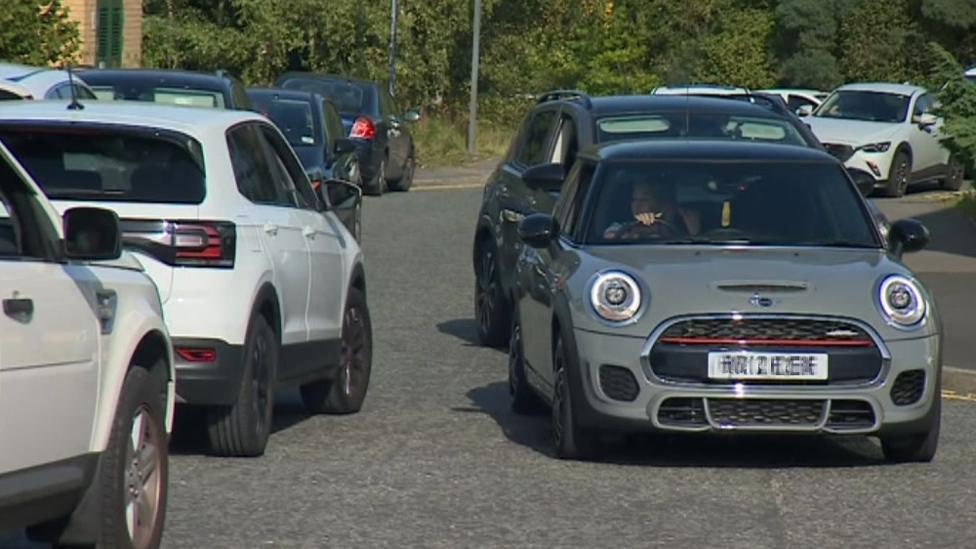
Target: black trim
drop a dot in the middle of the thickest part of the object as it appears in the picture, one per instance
(209, 383)
(44, 492)
(308, 361)
(928, 174)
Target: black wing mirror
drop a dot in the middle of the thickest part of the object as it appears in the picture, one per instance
(343, 146)
(340, 195)
(538, 230)
(91, 234)
(908, 235)
(545, 177)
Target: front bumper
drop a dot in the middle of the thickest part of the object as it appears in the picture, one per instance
(728, 407)
(873, 166)
(216, 382)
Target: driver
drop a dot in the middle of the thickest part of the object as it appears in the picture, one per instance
(655, 213)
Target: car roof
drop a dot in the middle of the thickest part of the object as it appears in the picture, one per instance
(809, 91)
(883, 87)
(200, 80)
(625, 104)
(193, 121)
(686, 149)
(325, 76)
(682, 89)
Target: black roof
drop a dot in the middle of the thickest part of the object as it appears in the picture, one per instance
(620, 104)
(153, 77)
(283, 93)
(699, 149)
(324, 76)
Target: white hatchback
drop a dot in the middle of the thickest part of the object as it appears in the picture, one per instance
(86, 376)
(887, 135)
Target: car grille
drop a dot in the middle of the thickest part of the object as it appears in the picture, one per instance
(908, 387)
(740, 412)
(618, 383)
(850, 414)
(682, 412)
(767, 331)
(838, 151)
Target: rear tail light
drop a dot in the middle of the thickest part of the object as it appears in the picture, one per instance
(196, 354)
(183, 243)
(363, 128)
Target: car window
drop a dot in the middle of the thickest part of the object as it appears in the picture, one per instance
(11, 228)
(742, 202)
(567, 145)
(349, 97)
(293, 117)
(865, 105)
(25, 232)
(8, 95)
(63, 91)
(251, 167)
(333, 123)
(535, 144)
(698, 125)
(288, 171)
(109, 164)
(182, 97)
(567, 210)
(796, 101)
(923, 105)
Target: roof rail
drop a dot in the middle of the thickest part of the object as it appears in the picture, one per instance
(769, 101)
(556, 95)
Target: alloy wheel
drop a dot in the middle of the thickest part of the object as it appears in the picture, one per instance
(353, 350)
(487, 291)
(143, 477)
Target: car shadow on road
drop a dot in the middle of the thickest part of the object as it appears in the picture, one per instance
(465, 329)
(679, 450)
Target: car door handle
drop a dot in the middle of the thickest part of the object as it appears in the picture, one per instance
(511, 215)
(271, 229)
(19, 309)
(308, 232)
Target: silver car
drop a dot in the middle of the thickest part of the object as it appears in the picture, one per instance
(722, 287)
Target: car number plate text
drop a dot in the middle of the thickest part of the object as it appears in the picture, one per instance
(748, 365)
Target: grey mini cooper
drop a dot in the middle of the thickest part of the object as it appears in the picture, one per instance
(721, 287)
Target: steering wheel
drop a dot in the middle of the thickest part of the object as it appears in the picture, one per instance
(639, 228)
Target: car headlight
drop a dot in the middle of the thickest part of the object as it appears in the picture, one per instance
(615, 296)
(875, 147)
(902, 301)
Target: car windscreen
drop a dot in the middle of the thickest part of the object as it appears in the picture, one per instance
(105, 165)
(182, 97)
(770, 203)
(865, 105)
(348, 97)
(293, 117)
(697, 125)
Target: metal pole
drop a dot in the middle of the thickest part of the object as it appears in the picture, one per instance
(393, 29)
(473, 105)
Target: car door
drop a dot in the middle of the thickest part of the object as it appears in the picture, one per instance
(927, 152)
(343, 166)
(325, 242)
(397, 133)
(275, 210)
(49, 341)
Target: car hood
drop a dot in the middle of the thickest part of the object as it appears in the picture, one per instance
(683, 280)
(851, 132)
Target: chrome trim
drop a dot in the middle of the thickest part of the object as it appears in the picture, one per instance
(744, 390)
(819, 426)
(919, 290)
(644, 302)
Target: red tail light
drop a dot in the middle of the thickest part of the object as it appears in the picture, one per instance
(193, 354)
(363, 128)
(183, 243)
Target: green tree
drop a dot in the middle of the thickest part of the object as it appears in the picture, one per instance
(880, 43)
(36, 33)
(957, 104)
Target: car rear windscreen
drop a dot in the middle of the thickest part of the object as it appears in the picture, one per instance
(348, 97)
(697, 125)
(181, 97)
(107, 165)
(292, 116)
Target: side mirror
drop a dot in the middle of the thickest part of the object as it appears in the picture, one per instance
(538, 230)
(804, 110)
(340, 195)
(908, 235)
(91, 234)
(545, 177)
(344, 146)
(926, 120)
(411, 116)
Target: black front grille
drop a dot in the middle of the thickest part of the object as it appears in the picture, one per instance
(850, 414)
(838, 151)
(773, 329)
(618, 383)
(682, 412)
(738, 412)
(908, 387)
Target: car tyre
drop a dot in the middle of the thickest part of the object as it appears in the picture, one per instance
(406, 179)
(345, 394)
(898, 175)
(490, 307)
(134, 471)
(918, 448)
(243, 428)
(955, 173)
(379, 184)
(570, 440)
(524, 399)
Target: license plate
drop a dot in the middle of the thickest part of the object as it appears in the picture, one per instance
(748, 365)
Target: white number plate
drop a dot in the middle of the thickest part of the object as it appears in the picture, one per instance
(747, 365)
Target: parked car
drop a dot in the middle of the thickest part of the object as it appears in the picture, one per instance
(262, 286)
(86, 375)
(699, 89)
(374, 122)
(893, 133)
(313, 127)
(721, 287)
(562, 123)
(44, 83)
(12, 90)
(797, 98)
(218, 90)
(971, 74)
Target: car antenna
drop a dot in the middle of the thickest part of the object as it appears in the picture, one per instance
(74, 105)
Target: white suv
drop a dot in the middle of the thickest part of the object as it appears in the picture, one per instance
(86, 376)
(888, 136)
(261, 284)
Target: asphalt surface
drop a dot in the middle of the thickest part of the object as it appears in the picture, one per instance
(436, 458)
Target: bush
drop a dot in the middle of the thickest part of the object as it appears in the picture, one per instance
(442, 141)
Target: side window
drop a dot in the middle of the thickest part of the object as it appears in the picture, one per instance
(566, 146)
(574, 204)
(24, 233)
(795, 102)
(251, 169)
(923, 105)
(287, 171)
(535, 145)
(562, 206)
(333, 123)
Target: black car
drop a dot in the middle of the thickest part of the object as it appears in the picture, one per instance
(313, 128)
(373, 121)
(562, 123)
(217, 90)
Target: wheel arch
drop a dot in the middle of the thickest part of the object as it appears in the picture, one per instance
(267, 305)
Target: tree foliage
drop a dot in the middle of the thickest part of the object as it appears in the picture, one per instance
(37, 33)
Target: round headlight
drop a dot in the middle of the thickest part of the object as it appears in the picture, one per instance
(902, 301)
(615, 296)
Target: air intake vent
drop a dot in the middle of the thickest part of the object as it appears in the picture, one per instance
(908, 387)
(618, 383)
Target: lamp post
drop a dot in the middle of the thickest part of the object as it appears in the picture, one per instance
(393, 29)
(473, 104)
